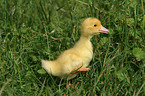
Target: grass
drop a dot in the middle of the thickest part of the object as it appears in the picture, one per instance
(31, 30)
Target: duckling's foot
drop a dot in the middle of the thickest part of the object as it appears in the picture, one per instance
(68, 85)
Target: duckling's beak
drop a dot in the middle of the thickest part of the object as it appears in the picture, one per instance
(103, 30)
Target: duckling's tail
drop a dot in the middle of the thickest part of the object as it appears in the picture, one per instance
(47, 65)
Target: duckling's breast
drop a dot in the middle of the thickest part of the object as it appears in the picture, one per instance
(86, 57)
(86, 53)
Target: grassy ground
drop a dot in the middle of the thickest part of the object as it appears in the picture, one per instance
(31, 30)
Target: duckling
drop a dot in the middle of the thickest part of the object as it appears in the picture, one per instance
(79, 56)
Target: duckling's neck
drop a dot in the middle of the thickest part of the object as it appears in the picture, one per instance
(87, 38)
(84, 42)
(84, 39)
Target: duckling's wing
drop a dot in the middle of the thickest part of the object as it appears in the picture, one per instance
(70, 60)
(76, 60)
(74, 63)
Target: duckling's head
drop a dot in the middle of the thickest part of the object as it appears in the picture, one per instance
(92, 26)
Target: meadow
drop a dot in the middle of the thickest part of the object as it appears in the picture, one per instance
(31, 30)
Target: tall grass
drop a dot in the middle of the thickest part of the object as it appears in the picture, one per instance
(31, 30)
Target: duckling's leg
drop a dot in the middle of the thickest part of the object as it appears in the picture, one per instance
(83, 69)
(80, 70)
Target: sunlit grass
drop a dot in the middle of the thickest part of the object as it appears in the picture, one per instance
(41, 29)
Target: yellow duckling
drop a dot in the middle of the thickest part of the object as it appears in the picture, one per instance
(79, 56)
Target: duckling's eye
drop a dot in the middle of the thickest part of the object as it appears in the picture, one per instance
(95, 25)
